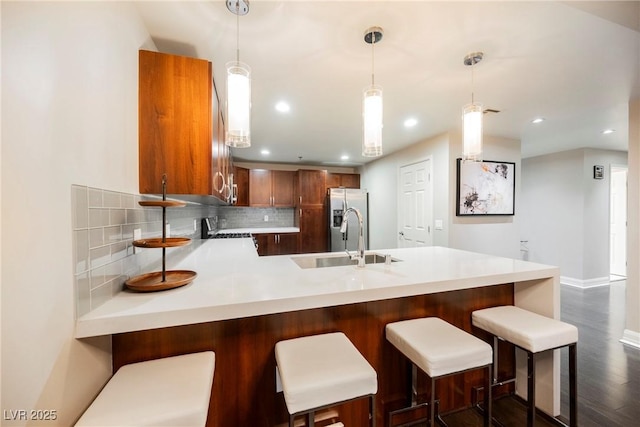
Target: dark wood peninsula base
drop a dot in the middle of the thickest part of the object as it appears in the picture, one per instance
(244, 385)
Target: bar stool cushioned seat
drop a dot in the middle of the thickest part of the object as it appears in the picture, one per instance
(527, 330)
(321, 370)
(533, 333)
(172, 391)
(440, 349)
(437, 347)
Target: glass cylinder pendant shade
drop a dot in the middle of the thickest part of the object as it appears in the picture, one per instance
(372, 122)
(238, 126)
(472, 132)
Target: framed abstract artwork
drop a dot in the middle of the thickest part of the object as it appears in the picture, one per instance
(485, 188)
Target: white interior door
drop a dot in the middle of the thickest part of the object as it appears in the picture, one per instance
(618, 221)
(415, 205)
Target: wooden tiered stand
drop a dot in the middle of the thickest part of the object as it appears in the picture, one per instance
(161, 280)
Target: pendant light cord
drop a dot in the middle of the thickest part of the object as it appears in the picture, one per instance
(473, 63)
(373, 42)
(238, 31)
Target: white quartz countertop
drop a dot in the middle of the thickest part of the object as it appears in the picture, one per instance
(233, 282)
(257, 230)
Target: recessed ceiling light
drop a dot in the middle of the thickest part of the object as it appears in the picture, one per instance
(410, 122)
(537, 120)
(608, 131)
(265, 152)
(283, 107)
(344, 157)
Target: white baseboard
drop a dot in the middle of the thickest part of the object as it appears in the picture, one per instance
(584, 284)
(631, 338)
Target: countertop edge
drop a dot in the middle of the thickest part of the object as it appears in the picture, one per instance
(145, 321)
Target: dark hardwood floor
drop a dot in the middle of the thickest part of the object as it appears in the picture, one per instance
(608, 371)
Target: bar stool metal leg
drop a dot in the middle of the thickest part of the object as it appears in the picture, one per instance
(432, 404)
(573, 385)
(488, 398)
(531, 389)
(372, 410)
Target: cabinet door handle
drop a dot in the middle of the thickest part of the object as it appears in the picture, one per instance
(300, 212)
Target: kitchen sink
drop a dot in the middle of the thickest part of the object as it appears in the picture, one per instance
(321, 261)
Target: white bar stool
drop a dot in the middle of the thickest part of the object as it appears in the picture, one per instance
(320, 371)
(439, 349)
(173, 391)
(534, 334)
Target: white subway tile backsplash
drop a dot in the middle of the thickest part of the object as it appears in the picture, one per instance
(83, 293)
(117, 216)
(128, 201)
(99, 256)
(81, 204)
(95, 198)
(103, 223)
(118, 251)
(111, 199)
(98, 217)
(101, 294)
(113, 234)
(81, 250)
(96, 237)
(113, 271)
(96, 277)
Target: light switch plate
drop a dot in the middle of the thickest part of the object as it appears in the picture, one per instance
(439, 224)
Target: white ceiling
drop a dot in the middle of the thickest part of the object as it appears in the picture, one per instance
(577, 64)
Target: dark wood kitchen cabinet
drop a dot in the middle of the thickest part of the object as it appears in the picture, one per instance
(310, 214)
(241, 186)
(346, 180)
(271, 188)
(180, 128)
(276, 243)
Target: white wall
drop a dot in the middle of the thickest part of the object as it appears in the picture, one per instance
(492, 235)
(566, 212)
(380, 178)
(69, 116)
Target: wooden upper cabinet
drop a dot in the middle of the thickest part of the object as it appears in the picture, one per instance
(241, 183)
(260, 188)
(282, 188)
(271, 188)
(179, 126)
(311, 187)
(346, 180)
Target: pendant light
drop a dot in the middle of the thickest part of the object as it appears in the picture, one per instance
(238, 90)
(372, 105)
(472, 119)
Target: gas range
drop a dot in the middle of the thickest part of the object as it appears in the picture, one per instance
(223, 235)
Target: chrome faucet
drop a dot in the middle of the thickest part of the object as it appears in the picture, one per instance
(343, 229)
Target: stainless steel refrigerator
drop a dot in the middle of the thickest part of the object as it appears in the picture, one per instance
(339, 200)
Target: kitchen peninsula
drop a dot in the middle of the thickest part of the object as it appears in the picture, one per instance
(240, 305)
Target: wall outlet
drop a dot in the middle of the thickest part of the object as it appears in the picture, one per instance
(266, 218)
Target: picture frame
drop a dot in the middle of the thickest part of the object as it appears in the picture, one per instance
(485, 188)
